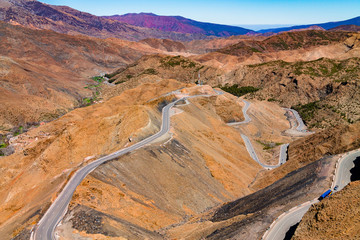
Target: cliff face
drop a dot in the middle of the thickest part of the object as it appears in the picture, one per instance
(336, 217)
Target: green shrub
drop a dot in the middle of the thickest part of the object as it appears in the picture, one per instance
(150, 71)
(307, 111)
(239, 91)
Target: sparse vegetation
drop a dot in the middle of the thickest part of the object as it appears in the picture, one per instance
(177, 61)
(149, 71)
(19, 131)
(307, 111)
(3, 145)
(96, 91)
(268, 145)
(239, 91)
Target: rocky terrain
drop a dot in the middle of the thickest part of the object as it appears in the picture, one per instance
(336, 217)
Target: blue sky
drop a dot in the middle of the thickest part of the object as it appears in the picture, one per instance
(232, 12)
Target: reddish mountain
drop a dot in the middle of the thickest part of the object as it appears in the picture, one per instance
(178, 24)
(347, 28)
(37, 15)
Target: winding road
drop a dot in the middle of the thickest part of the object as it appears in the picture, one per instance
(282, 224)
(283, 148)
(46, 226)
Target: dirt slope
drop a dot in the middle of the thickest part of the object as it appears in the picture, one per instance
(205, 155)
(32, 176)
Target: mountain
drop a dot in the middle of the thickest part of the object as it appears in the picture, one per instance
(326, 26)
(63, 19)
(43, 74)
(348, 28)
(179, 24)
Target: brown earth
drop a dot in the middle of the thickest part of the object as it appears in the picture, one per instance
(336, 217)
(155, 67)
(286, 41)
(205, 155)
(290, 47)
(33, 175)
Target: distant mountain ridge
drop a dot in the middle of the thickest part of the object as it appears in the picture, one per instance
(36, 15)
(349, 28)
(326, 26)
(179, 24)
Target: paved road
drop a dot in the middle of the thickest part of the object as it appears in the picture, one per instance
(46, 227)
(250, 149)
(344, 165)
(283, 223)
(246, 116)
(301, 126)
(249, 146)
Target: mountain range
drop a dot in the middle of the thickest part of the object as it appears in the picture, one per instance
(179, 24)
(326, 26)
(134, 27)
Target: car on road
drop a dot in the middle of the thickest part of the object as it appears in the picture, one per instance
(336, 187)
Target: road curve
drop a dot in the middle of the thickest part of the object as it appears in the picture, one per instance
(46, 226)
(342, 172)
(246, 116)
(282, 224)
(301, 126)
(249, 146)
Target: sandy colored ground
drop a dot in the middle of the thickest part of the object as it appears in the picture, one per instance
(32, 176)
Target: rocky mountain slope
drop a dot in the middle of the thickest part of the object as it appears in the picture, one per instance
(286, 41)
(63, 19)
(179, 24)
(43, 74)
